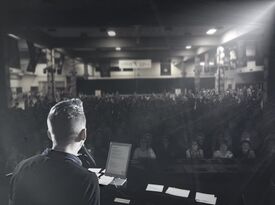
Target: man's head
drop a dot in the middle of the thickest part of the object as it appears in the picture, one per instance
(67, 123)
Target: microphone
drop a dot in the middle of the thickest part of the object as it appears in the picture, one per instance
(88, 156)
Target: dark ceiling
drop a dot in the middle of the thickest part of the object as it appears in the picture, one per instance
(145, 28)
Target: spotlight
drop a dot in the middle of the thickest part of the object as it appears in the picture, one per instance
(111, 33)
(211, 31)
(188, 47)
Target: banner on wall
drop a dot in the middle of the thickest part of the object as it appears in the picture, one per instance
(135, 64)
(165, 68)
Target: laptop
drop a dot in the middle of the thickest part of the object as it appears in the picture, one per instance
(117, 162)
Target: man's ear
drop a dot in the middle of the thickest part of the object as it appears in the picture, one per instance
(82, 135)
(49, 135)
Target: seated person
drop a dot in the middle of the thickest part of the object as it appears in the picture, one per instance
(247, 152)
(144, 151)
(195, 152)
(223, 152)
(164, 149)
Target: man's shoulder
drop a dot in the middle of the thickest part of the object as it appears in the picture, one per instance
(44, 162)
(29, 161)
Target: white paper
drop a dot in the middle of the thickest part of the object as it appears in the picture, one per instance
(105, 180)
(206, 198)
(154, 187)
(123, 201)
(177, 192)
(95, 170)
(210, 201)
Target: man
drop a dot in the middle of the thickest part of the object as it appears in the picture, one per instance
(56, 176)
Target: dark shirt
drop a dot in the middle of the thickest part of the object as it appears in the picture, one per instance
(53, 178)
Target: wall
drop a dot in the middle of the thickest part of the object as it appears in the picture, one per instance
(246, 75)
(26, 80)
(177, 70)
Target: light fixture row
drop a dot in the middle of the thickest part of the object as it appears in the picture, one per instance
(112, 33)
(211, 31)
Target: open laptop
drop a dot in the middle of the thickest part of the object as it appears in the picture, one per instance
(117, 162)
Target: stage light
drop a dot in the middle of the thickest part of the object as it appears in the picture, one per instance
(118, 49)
(111, 33)
(211, 31)
(188, 47)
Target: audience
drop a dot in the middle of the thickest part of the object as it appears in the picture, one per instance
(165, 150)
(200, 117)
(246, 153)
(223, 152)
(144, 151)
(194, 152)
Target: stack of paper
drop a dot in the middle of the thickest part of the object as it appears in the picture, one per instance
(206, 198)
(154, 187)
(95, 170)
(105, 180)
(178, 192)
(122, 201)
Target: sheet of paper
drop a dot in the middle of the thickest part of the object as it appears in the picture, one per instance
(95, 170)
(206, 198)
(177, 192)
(154, 187)
(105, 180)
(210, 201)
(123, 201)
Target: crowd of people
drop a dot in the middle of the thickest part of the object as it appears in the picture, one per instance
(167, 126)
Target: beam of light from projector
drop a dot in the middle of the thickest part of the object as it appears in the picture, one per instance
(255, 23)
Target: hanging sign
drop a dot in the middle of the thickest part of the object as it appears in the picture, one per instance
(135, 64)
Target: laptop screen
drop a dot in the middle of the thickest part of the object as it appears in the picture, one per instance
(118, 159)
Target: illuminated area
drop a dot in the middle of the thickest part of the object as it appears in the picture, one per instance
(137, 102)
(211, 31)
(111, 33)
(188, 47)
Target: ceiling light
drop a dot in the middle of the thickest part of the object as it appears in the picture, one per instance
(13, 36)
(111, 33)
(188, 47)
(202, 63)
(118, 49)
(211, 63)
(211, 31)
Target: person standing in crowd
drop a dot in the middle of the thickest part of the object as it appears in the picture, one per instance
(223, 152)
(144, 151)
(194, 152)
(56, 176)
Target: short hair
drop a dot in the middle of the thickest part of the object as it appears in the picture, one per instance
(66, 119)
